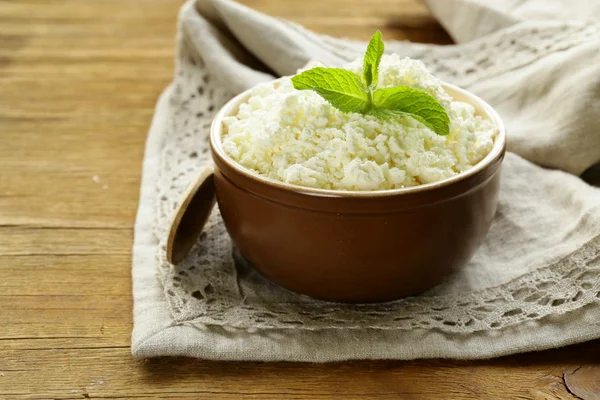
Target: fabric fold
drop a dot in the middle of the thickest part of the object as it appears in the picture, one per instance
(469, 19)
(271, 40)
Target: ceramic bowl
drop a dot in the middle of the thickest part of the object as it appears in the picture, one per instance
(351, 246)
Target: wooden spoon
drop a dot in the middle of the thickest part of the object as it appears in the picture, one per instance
(191, 216)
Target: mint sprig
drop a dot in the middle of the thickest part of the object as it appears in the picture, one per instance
(372, 59)
(405, 100)
(349, 92)
(342, 88)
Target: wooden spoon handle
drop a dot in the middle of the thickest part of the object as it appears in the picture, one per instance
(191, 216)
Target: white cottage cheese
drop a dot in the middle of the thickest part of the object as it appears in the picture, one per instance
(297, 137)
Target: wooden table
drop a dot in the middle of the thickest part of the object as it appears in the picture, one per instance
(78, 84)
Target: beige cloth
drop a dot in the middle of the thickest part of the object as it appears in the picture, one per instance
(534, 284)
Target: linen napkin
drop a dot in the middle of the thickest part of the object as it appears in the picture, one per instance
(535, 282)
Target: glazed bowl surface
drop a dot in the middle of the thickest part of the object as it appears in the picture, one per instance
(351, 246)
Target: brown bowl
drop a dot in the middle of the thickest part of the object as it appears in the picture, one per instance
(352, 246)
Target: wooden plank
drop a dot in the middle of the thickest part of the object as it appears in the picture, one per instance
(69, 199)
(32, 241)
(100, 274)
(100, 373)
(64, 321)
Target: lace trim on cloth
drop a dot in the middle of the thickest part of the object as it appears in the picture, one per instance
(207, 288)
(467, 63)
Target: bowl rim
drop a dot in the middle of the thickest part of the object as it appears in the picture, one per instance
(496, 152)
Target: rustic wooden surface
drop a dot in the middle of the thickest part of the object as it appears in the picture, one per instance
(78, 84)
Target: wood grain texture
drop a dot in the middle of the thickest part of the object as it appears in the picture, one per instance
(78, 84)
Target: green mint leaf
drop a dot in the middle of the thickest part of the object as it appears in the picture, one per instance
(341, 88)
(372, 59)
(348, 92)
(414, 102)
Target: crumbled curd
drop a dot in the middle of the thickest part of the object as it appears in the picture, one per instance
(297, 137)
